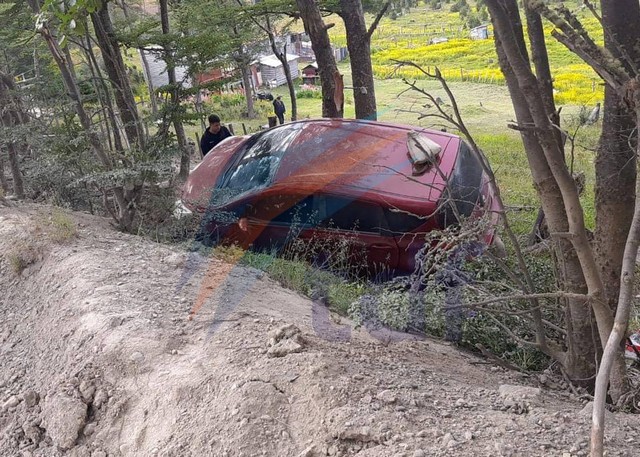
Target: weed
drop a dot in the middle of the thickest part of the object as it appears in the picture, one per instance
(23, 254)
(60, 226)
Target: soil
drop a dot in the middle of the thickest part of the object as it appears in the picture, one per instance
(102, 354)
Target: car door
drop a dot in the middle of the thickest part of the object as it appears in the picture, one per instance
(353, 232)
(275, 220)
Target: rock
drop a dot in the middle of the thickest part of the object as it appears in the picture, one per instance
(89, 430)
(284, 332)
(468, 436)
(283, 348)
(87, 389)
(419, 453)
(387, 396)
(32, 432)
(447, 439)
(11, 402)
(100, 398)
(30, 398)
(137, 357)
(175, 260)
(311, 451)
(98, 453)
(362, 434)
(518, 392)
(63, 418)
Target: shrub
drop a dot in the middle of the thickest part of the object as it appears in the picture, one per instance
(309, 93)
(60, 226)
(22, 254)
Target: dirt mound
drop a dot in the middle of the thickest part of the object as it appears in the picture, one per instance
(99, 358)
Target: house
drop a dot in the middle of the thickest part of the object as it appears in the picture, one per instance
(310, 74)
(272, 71)
(157, 76)
(301, 45)
(479, 33)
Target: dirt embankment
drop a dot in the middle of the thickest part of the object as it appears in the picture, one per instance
(99, 358)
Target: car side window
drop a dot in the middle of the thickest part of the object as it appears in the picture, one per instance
(284, 210)
(401, 222)
(349, 214)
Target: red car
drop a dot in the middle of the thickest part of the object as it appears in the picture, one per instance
(381, 185)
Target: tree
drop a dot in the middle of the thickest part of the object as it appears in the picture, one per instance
(616, 160)
(174, 88)
(599, 278)
(546, 160)
(359, 45)
(219, 37)
(12, 118)
(282, 57)
(123, 174)
(330, 77)
(259, 13)
(118, 76)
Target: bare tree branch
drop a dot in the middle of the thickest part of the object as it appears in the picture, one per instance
(376, 21)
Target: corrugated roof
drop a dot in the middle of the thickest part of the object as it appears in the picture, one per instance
(272, 60)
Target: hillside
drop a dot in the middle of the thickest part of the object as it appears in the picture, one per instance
(99, 358)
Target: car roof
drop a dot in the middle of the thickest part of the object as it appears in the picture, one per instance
(364, 157)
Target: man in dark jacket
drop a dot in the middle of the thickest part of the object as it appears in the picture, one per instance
(213, 135)
(278, 107)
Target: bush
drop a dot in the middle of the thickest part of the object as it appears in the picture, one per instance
(309, 93)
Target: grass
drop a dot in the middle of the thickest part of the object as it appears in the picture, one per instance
(22, 254)
(300, 276)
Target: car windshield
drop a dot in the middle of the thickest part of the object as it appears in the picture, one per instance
(258, 163)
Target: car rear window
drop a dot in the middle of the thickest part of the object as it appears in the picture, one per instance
(259, 161)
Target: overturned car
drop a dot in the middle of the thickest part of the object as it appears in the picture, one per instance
(380, 185)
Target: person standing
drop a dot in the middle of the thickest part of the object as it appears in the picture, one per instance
(278, 107)
(213, 135)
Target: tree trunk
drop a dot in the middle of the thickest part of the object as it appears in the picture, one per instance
(11, 117)
(579, 359)
(16, 174)
(4, 185)
(118, 76)
(359, 45)
(616, 162)
(248, 93)
(105, 98)
(332, 97)
(623, 312)
(282, 57)
(174, 94)
(145, 66)
(540, 59)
